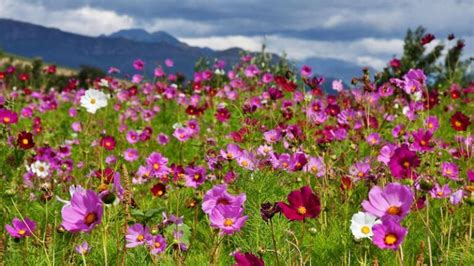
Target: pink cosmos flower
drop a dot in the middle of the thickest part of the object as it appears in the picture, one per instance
(359, 170)
(389, 234)
(21, 229)
(440, 192)
(422, 140)
(219, 196)
(130, 155)
(182, 134)
(83, 248)
(83, 213)
(306, 71)
(432, 123)
(162, 139)
(315, 166)
(138, 64)
(157, 164)
(169, 62)
(195, 176)
(393, 200)
(8, 117)
(229, 219)
(137, 235)
(233, 151)
(450, 170)
(373, 139)
(157, 244)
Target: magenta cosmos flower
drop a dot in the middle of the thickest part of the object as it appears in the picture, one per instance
(303, 204)
(228, 218)
(130, 155)
(450, 170)
(157, 244)
(8, 117)
(182, 134)
(157, 164)
(21, 229)
(389, 234)
(137, 235)
(83, 213)
(403, 162)
(394, 200)
(195, 176)
(247, 259)
(108, 142)
(218, 196)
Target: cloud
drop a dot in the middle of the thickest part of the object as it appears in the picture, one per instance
(84, 20)
(365, 52)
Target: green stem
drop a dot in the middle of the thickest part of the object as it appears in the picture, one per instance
(274, 243)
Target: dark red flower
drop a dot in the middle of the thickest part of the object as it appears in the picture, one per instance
(25, 140)
(286, 85)
(460, 121)
(106, 175)
(395, 63)
(346, 183)
(427, 39)
(108, 142)
(247, 259)
(222, 114)
(303, 204)
(158, 190)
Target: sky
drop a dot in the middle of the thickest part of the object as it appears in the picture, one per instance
(364, 32)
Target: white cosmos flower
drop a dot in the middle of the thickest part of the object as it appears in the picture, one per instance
(40, 169)
(93, 100)
(104, 83)
(361, 225)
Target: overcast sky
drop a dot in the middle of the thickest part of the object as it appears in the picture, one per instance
(366, 32)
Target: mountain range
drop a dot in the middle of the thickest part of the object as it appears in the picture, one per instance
(119, 49)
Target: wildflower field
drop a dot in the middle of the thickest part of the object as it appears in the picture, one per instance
(246, 164)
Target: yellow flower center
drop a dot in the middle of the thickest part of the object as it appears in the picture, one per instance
(93, 101)
(245, 163)
(394, 210)
(457, 123)
(157, 245)
(229, 156)
(301, 210)
(156, 166)
(390, 239)
(6, 119)
(406, 164)
(140, 237)
(160, 193)
(423, 143)
(196, 177)
(21, 232)
(90, 218)
(440, 193)
(25, 141)
(285, 165)
(314, 169)
(228, 222)
(360, 174)
(365, 229)
(430, 125)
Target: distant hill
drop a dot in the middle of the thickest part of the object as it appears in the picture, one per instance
(141, 35)
(120, 49)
